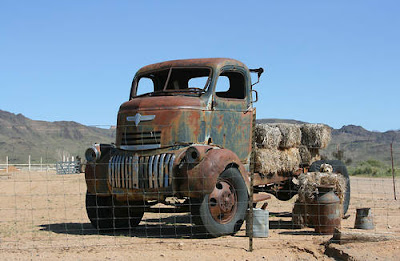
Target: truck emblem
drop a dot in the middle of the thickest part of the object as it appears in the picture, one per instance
(138, 118)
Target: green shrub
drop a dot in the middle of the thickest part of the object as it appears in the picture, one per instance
(372, 168)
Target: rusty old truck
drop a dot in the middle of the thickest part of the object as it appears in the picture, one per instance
(184, 137)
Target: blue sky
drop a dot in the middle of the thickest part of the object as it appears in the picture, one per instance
(335, 62)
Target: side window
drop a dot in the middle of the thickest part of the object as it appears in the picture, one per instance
(231, 85)
(145, 85)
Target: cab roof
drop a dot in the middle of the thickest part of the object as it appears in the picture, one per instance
(214, 63)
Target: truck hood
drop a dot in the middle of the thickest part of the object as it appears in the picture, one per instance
(163, 103)
(160, 121)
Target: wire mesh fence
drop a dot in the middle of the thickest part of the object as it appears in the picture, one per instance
(148, 205)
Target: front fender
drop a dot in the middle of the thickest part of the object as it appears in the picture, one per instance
(96, 174)
(198, 180)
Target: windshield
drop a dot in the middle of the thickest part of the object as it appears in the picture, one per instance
(192, 81)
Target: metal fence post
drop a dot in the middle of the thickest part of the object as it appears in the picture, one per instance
(252, 169)
(394, 182)
(7, 164)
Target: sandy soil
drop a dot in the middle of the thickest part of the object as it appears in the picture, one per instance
(42, 216)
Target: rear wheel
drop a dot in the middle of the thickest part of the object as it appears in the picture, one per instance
(222, 212)
(105, 213)
(340, 168)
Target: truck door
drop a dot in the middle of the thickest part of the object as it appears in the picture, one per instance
(232, 113)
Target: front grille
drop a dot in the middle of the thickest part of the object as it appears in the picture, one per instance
(141, 140)
(140, 172)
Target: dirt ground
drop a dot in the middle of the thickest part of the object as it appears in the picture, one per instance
(42, 216)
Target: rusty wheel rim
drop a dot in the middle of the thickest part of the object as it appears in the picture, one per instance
(223, 202)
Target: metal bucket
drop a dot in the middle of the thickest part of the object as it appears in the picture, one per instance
(260, 223)
(364, 219)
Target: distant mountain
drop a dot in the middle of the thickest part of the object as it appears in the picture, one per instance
(21, 137)
(359, 144)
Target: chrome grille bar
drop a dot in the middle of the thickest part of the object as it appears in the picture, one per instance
(135, 172)
(156, 171)
(146, 172)
(113, 171)
(170, 165)
(151, 171)
(161, 171)
(140, 173)
(166, 170)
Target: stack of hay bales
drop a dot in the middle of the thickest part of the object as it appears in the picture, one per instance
(283, 147)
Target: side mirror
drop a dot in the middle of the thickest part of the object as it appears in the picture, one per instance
(256, 96)
(259, 71)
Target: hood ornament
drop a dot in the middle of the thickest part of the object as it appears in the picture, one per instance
(139, 118)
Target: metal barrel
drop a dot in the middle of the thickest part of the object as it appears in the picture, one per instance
(327, 214)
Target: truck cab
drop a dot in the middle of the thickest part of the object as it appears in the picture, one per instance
(202, 101)
(186, 131)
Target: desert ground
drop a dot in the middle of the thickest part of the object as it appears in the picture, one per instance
(42, 216)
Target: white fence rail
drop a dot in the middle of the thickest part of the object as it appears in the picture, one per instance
(27, 167)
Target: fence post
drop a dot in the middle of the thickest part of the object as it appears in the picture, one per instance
(394, 182)
(41, 164)
(29, 163)
(7, 164)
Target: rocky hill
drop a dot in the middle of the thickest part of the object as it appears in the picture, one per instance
(21, 137)
(359, 144)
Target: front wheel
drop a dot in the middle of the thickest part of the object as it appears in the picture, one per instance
(222, 212)
(105, 213)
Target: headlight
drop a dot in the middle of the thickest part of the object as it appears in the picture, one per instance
(192, 155)
(93, 153)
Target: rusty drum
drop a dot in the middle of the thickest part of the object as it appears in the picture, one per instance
(326, 211)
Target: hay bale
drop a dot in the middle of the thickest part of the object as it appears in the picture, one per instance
(267, 136)
(267, 161)
(277, 161)
(315, 135)
(290, 135)
(309, 183)
(290, 159)
(305, 155)
(308, 155)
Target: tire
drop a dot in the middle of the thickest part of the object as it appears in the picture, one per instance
(338, 167)
(105, 213)
(222, 212)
